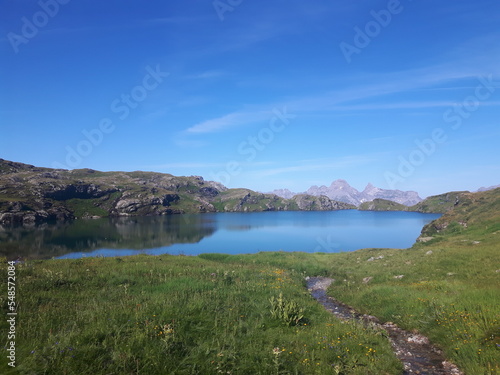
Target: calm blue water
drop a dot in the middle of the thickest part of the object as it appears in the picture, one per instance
(231, 233)
(236, 233)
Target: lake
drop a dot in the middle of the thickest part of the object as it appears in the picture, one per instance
(231, 233)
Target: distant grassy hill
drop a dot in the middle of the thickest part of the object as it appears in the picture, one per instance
(441, 203)
(31, 194)
(382, 205)
(471, 212)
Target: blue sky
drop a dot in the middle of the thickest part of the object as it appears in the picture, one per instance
(257, 94)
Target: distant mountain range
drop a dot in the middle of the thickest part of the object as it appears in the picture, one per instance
(487, 188)
(341, 191)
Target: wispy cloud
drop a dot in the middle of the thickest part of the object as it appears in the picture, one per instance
(186, 165)
(377, 87)
(405, 105)
(228, 121)
(208, 74)
(368, 87)
(319, 164)
(201, 165)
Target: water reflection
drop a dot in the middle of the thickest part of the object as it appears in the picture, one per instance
(55, 239)
(220, 232)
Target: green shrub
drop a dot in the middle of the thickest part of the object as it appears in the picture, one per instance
(288, 312)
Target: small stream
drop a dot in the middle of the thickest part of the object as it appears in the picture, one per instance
(418, 355)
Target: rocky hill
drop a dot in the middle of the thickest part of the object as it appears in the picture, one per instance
(340, 190)
(30, 194)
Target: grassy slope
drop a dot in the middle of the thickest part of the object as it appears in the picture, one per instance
(441, 203)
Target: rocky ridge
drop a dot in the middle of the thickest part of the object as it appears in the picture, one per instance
(340, 190)
(30, 194)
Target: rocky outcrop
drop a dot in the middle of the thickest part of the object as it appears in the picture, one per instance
(76, 191)
(33, 217)
(131, 204)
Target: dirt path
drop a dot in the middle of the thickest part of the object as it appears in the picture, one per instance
(418, 355)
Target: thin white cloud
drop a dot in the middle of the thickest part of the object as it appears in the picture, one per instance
(406, 105)
(231, 120)
(207, 74)
(185, 165)
(201, 165)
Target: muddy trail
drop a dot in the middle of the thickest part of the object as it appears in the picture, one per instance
(415, 351)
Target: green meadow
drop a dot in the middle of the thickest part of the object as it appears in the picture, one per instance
(251, 314)
(184, 315)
